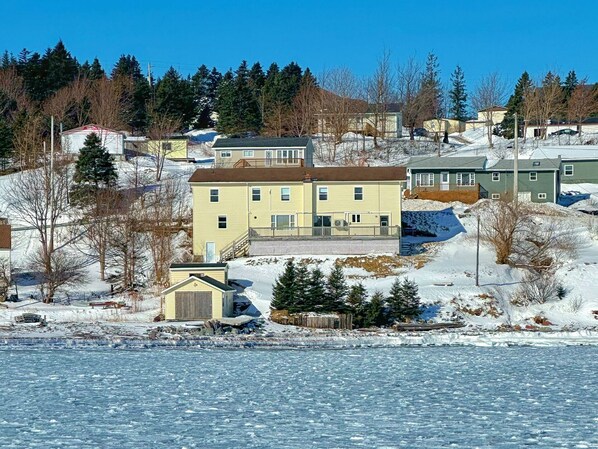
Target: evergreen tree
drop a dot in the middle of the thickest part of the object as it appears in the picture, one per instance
(174, 97)
(515, 105)
(284, 290)
(458, 96)
(431, 85)
(95, 166)
(316, 290)
(569, 85)
(257, 79)
(403, 300)
(357, 302)
(6, 145)
(302, 277)
(138, 91)
(225, 105)
(375, 314)
(336, 290)
(249, 117)
(96, 71)
(199, 85)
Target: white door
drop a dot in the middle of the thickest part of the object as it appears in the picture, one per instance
(444, 180)
(210, 252)
(268, 158)
(524, 196)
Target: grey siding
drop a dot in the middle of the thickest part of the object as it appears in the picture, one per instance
(547, 182)
(583, 171)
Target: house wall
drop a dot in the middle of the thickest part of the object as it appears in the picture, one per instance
(547, 182)
(389, 124)
(260, 155)
(586, 128)
(496, 116)
(236, 203)
(440, 125)
(180, 274)
(178, 148)
(437, 171)
(73, 142)
(583, 171)
(221, 301)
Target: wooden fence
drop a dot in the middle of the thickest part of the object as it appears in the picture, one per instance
(328, 321)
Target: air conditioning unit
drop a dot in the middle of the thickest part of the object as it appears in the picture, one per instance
(340, 223)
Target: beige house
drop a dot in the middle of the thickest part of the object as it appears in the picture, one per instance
(324, 210)
(440, 125)
(174, 148)
(388, 124)
(198, 292)
(495, 114)
(271, 152)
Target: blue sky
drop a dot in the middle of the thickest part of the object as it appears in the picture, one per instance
(508, 36)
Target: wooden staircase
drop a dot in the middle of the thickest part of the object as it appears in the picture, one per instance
(238, 248)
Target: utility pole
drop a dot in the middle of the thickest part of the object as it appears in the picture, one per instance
(477, 257)
(516, 163)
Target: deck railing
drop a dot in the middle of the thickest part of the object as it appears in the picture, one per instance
(259, 163)
(332, 232)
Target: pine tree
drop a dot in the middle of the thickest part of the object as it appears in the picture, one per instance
(95, 166)
(357, 302)
(515, 105)
(570, 84)
(458, 96)
(174, 97)
(225, 105)
(316, 291)
(431, 85)
(6, 143)
(128, 69)
(403, 300)
(96, 71)
(336, 290)
(199, 85)
(302, 277)
(284, 289)
(375, 314)
(248, 111)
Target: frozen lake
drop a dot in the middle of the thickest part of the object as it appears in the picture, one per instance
(376, 398)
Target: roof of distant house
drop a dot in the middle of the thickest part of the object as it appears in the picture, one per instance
(527, 165)
(435, 162)
(198, 265)
(90, 128)
(261, 142)
(568, 152)
(296, 174)
(494, 109)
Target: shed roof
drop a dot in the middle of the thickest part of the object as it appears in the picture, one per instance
(297, 174)
(89, 128)
(198, 265)
(527, 165)
(261, 142)
(435, 162)
(203, 279)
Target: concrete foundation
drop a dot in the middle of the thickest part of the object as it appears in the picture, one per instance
(323, 247)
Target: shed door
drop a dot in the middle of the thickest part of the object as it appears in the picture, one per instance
(193, 305)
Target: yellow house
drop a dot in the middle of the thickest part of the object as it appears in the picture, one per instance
(324, 210)
(198, 292)
(174, 148)
(440, 125)
(494, 115)
(273, 152)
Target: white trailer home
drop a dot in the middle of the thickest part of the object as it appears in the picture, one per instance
(73, 140)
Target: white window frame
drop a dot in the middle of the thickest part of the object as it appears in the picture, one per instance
(323, 192)
(471, 177)
(253, 194)
(495, 176)
(565, 170)
(354, 218)
(274, 221)
(225, 154)
(248, 153)
(220, 222)
(535, 175)
(427, 177)
(282, 195)
(495, 196)
(286, 157)
(355, 193)
(542, 196)
(217, 196)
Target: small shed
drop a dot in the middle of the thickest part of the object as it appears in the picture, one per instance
(181, 271)
(74, 139)
(198, 297)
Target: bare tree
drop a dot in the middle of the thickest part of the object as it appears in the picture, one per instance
(489, 93)
(162, 127)
(67, 271)
(549, 102)
(40, 199)
(305, 107)
(13, 97)
(502, 222)
(582, 103)
(380, 93)
(414, 99)
(105, 98)
(28, 141)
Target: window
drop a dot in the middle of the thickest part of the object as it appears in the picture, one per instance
(495, 176)
(213, 195)
(541, 196)
(424, 179)
(166, 146)
(358, 193)
(355, 218)
(288, 156)
(322, 193)
(568, 170)
(496, 196)
(536, 164)
(533, 176)
(225, 154)
(465, 179)
(221, 221)
(256, 194)
(282, 221)
(285, 194)
(248, 153)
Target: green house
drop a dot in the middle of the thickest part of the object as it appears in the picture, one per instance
(538, 180)
(579, 163)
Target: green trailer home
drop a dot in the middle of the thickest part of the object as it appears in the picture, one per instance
(538, 180)
(579, 163)
(445, 178)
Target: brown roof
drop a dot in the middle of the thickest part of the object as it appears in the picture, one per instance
(5, 242)
(299, 174)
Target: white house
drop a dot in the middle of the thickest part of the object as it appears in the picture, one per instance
(73, 140)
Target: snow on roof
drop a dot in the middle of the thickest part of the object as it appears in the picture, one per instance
(567, 152)
(89, 128)
(470, 162)
(527, 165)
